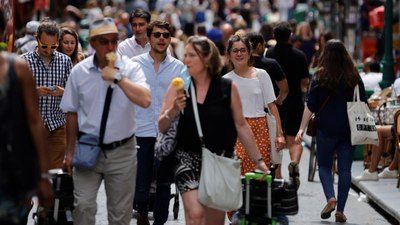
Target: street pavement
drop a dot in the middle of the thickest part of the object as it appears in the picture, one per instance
(311, 202)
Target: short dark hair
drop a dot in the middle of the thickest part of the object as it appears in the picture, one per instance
(49, 27)
(160, 24)
(282, 32)
(374, 66)
(255, 38)
(140, 13)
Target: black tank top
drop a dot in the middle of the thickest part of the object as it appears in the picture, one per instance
(18, 162)
(215, 117)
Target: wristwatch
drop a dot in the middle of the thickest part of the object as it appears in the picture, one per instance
(117, 78)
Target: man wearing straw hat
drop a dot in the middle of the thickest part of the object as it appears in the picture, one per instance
(84, 100)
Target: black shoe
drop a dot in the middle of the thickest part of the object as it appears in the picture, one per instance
(142, 220)
(294, 173)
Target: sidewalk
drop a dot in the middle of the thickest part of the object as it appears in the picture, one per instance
(383, 192)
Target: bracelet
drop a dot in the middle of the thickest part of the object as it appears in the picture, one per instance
(256, 161)
(45, 176)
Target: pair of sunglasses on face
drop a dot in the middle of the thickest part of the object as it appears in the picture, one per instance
(45, 46)
(158, 34)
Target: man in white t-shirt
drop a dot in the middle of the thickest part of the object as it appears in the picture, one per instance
(372, 78)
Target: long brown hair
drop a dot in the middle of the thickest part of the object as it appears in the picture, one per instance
(76, 56)
(335, 64)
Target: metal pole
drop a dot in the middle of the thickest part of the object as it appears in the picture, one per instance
(387, 60)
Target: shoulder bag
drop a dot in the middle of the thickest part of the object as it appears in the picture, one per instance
(220, 184)
(276, 156)
(362, 123)
(311, 127)
(166, 143)
(89, 145)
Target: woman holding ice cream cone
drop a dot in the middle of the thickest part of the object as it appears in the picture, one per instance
(222, 120)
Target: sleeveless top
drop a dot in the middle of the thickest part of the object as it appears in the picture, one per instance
(215, 117)
(18, 161)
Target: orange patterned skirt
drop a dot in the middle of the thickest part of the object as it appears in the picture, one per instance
(260, 131)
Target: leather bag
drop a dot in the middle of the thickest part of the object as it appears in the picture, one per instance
(311, 128)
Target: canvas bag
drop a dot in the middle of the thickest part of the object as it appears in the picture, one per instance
(276, 156)
(362, 123)
(220, 184)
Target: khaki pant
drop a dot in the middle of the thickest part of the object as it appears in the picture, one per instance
(118, 171)
(57, 143)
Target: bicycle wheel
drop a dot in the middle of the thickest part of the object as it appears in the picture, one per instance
(312, 165)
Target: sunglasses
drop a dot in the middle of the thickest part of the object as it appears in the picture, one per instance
(237, 50)
(44, 46)
(104, 41)
(158, 34)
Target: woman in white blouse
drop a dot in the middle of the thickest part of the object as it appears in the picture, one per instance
(256, 93)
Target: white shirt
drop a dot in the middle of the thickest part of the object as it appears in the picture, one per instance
(371, 81)
(130, 48)
(253, 99)
(85, 94)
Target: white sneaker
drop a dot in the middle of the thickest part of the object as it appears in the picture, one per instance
(367, 176)
(386, 173)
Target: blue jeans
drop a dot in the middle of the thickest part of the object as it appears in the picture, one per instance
(327, 146)
(145, 159)
(145, 176)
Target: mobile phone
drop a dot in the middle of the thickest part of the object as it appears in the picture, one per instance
(52, 88)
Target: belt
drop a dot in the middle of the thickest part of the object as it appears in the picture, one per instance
(116, 144)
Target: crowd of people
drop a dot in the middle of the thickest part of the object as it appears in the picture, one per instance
(238, 73)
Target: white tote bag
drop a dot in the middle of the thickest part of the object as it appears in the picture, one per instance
(276, 156)
(220, 185)
(362, 123)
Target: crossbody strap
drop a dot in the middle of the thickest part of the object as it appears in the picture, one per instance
(104, 117)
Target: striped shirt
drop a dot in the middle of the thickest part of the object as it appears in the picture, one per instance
(56, 74)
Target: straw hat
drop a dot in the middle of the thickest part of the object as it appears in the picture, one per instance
(102, 26)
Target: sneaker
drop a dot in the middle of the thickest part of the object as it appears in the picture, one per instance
(367, 176)
(386, 173)
(294, 173)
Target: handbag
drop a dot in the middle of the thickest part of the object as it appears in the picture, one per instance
(276, 156)
(166, 143)
(89, 146)
(362, 123)
(312, 127)
(220, 184)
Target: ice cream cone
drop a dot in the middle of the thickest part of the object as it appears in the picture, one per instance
(111, 58)
(178, 84)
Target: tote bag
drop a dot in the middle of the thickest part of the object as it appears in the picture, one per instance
(362, 123)
(166, 143)
(220, 186)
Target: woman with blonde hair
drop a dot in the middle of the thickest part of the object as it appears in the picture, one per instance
(221, 117)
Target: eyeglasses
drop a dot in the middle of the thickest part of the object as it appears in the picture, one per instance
(106, 42)
(158, 34)
(44, 46)
(241, 50)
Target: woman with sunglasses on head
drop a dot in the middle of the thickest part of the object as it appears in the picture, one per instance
(69, 43)
(256, 93)
(221, 116)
